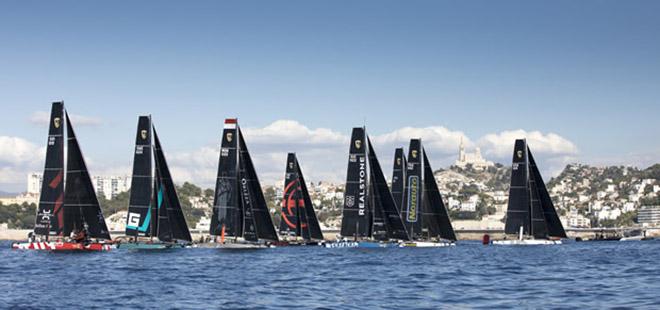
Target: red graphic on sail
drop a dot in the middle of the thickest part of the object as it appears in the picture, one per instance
(290, 204)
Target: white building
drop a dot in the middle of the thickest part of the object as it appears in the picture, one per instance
(108, 186)
(34, 181)
(474, 159)
(649, 216)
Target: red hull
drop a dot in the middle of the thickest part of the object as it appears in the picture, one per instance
(62, 246)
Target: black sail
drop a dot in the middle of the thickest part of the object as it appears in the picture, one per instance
(227, 210)
(291, 222)
(140, 218)
(168, 200)
(518, 210)
(160, 224)
(81, 206)
(399, 177)
(435, 216)
(356, 220)
(411, 211)
(313, 227)
(50, 215)
(383, 203)
(263, 223)
(552, 222)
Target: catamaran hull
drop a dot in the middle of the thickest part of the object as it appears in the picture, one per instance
(526, 242)
(424, 244)
(360, 244)
(231, 246)
(62, 246)
(149, 246)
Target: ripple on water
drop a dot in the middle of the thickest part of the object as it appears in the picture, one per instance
(588, 275)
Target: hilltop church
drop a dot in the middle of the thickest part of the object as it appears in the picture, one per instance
(474, 159)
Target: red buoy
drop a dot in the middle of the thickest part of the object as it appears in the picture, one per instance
(485, 240)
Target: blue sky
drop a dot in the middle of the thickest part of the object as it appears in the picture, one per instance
(587, 72)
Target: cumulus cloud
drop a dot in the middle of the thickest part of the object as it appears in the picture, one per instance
(322, 152)
(18, 157)
(500, 145)
(319, 151)
(43, 117)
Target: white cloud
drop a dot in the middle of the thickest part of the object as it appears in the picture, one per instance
(18, 157)
(43, 117)
(500, 145)
(293, 132)
(17, 151)
(322, 152)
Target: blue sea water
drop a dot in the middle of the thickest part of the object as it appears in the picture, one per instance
(574, 275)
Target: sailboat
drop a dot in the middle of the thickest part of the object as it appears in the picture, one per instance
(298, 217)
(424, 213)
(154, 209)
(531, 215)
(71, 208)
(241, 218)
(371, 218)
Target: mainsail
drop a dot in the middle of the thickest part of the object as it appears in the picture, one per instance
(50, 215)
(357, 218)
(239, 207)
(435, 217)
(81, 206)
(411, 210)
(291, 223)
(227, 215)
(530, 206)
(139, 221)
(399, 177)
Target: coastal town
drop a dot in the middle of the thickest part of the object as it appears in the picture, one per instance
(474, 189)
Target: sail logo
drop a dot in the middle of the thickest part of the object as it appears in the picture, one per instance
(133, 220)
(350, 201)
(398, 161)
(229, 136)
(414, 153)
(363, 186)
(51, 141)
(143, 134)
(413, 193)
(358, 144)
(139, 149)
(519, 154)
(514, 166)
(57, 122)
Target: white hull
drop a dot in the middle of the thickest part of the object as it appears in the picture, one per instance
(526, 242)
(424, 244)
(634, 238)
